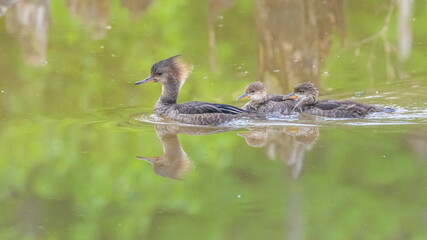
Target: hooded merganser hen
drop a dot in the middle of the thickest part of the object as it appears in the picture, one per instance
(264, 103)
(171, 73)
(306, 97)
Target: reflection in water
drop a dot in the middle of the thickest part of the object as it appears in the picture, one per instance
(136, 7)
(95, 15)
(5, 5)
(294, 38)
(174, 163)
(290, 143)
(29, 21)
(214, 8)
(417, 142)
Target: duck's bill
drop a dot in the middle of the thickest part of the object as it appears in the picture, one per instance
(149, 79)
(289, 96)
(244, 95)
(148, 159)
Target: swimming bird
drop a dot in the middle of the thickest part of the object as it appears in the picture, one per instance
(172, 73)
(263, 103)
(306, 102)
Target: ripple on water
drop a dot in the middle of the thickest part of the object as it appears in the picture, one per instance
(401, 116)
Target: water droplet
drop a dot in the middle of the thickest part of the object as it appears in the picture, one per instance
(295, 60)
(238, 196)
(205, 77)
(108, 27)
(221, 17)
(246, 72)
(113, 55)
(220, 25)
(277, 70)
(325, 73)
(2, 91)
(376, 92)
(102, 47)
(383, 156)
(413, 19)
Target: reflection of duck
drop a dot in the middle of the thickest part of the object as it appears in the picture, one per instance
(306, 97)
(257, 137)
(261, 102)
(290, 144)
(172, 73)
(174, 163)
(305, 137)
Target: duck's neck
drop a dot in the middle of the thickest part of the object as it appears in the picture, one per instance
(170, 91)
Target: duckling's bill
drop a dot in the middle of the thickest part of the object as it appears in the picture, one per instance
(289, 96)
(244, 95)
(149, 79)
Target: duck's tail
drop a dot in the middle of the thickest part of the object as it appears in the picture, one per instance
(388, 110)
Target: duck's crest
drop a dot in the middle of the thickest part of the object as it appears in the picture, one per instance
(183, 69)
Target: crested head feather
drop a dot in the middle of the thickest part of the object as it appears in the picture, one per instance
(255, 86)
(182, 69)
(307, 87)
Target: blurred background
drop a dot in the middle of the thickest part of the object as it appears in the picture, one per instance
(77, 162)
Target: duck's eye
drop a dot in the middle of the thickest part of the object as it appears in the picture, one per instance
(252, 91)
(159, 73)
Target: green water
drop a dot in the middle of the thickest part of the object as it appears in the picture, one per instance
(75, 131)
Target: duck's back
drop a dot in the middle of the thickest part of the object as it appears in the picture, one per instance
(273, 105)
(329, 104)
(206, 107)
(202, 113)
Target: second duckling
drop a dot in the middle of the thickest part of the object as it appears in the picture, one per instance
(263, 103)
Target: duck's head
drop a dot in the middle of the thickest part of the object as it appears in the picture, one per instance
(254, 91)
(167, 71)
(304, 93)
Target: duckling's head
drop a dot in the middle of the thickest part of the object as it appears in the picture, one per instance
(305, 93)
(167, 71)
(254, 91)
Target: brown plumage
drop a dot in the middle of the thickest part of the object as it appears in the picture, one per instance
(306, 102)
(171, 73)
(264, 103)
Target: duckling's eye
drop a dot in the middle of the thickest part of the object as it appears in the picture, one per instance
(252, 91)
(159, 73)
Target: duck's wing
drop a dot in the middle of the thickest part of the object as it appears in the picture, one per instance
(327, 104)
(205, 107)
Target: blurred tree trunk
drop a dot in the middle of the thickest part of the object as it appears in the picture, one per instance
(29, 21)
(294, 38)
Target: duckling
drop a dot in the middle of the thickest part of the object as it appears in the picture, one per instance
(306, 97)
(172, 73)
(264, 103)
